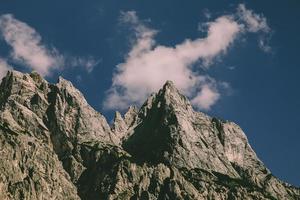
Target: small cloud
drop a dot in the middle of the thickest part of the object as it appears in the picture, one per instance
(129, 17)
(207, 14)
(231, 67)
(256, 23)
(27, 47)
(253, 22)
(263, 43)
(87, 63)
(202, 27)
(79, 78)
(207, 97)
(225, 87)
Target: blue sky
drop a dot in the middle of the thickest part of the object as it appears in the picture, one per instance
(237, 60)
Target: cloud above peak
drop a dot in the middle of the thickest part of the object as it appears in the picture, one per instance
(148, 65)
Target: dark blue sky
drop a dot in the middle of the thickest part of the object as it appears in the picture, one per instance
(264, 97)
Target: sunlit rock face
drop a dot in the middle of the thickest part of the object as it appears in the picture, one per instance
(55, 146)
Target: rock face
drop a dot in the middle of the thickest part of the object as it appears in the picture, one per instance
(55, 146)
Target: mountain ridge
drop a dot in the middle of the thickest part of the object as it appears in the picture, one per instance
(163, 150)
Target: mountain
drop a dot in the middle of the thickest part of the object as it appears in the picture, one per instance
(55, 146)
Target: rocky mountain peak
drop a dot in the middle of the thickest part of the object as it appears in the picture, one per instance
(171, 132)
(169, 85)
(119, 125)
(130, 115)
(54, 145)
(36, 77)
(168, 99)
(67, 88)
(118, 117)
(16, 82)
(60, 107)
(172, 96)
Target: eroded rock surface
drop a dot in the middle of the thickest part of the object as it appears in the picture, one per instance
(55, 146)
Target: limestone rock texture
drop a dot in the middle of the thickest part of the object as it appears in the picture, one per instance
(54, 145)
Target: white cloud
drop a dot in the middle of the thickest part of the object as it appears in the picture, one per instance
(207, 14)
(28, 50)
(4, 67)
(87, 63)
(26, 45)
(254, 22)
(148, 65)
(231, 67)
(207, 97)
(143, 34)
(263, 43)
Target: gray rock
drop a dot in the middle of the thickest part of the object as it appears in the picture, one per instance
(55, 146)
(30, 169)
(123, 128)
(119, 126)
(130, 115)
(53, 118)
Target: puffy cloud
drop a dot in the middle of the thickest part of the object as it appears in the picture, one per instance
(4, 67)
(26, 45)
(148, 65)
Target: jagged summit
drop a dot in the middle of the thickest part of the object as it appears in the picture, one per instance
(119, 125)
(130, 115)
(55, 146)
(171, 132)
(169, 85)
(172, 95)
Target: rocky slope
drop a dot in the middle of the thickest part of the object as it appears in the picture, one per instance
(55, 146)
